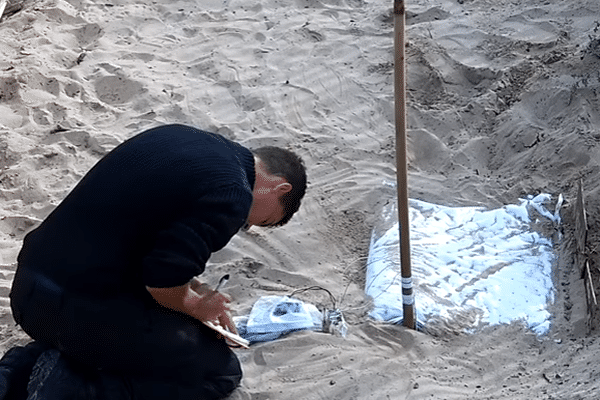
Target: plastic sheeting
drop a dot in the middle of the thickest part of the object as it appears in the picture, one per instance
(470, 266)
(274, 316)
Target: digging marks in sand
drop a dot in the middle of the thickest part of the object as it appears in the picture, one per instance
(483, 55)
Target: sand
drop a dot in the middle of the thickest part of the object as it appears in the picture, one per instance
(503, 101)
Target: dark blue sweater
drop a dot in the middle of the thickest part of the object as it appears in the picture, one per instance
(150, 213)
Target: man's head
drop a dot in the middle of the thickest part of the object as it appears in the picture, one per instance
(279, 187)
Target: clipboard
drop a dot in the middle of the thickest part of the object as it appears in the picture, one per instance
(232, 337)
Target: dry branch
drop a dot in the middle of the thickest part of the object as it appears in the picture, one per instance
(582, 255)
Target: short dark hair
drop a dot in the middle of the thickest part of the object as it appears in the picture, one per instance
(286, 164)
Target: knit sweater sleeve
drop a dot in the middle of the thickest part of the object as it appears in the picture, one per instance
(182, 249)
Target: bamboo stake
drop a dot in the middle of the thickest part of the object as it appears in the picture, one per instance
(402, 165)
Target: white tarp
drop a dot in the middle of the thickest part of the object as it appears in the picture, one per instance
(470, 266)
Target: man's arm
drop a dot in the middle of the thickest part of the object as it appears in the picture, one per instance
(197, 300)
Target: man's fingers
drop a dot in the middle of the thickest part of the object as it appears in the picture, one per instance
(227, 298)
(227, 323)
(218, 300)
(213, 305)
(202, 289)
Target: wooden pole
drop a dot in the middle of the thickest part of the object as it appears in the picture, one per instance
(408, 305)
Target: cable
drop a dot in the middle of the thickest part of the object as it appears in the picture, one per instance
(331, 296)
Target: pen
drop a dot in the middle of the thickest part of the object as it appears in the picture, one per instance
(222, 282)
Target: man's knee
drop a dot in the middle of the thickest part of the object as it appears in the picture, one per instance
(217, 378)
(223, 384)
(215, 386)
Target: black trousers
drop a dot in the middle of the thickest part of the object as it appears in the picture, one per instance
(164, 353)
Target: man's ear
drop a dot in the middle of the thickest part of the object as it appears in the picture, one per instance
(283, 187)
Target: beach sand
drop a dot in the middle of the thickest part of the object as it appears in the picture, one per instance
(503, 101)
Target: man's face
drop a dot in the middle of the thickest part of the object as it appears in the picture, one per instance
(266, 208)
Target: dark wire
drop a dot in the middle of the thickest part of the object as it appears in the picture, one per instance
(331, 297)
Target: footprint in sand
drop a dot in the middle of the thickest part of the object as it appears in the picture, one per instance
(78, 138)
(17, 226)
(113, 89)
(87, 34)
(433, 14)
(9, 89)
(7, 156)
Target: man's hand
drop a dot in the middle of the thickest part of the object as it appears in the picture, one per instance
(197, 300)
(204, 291)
